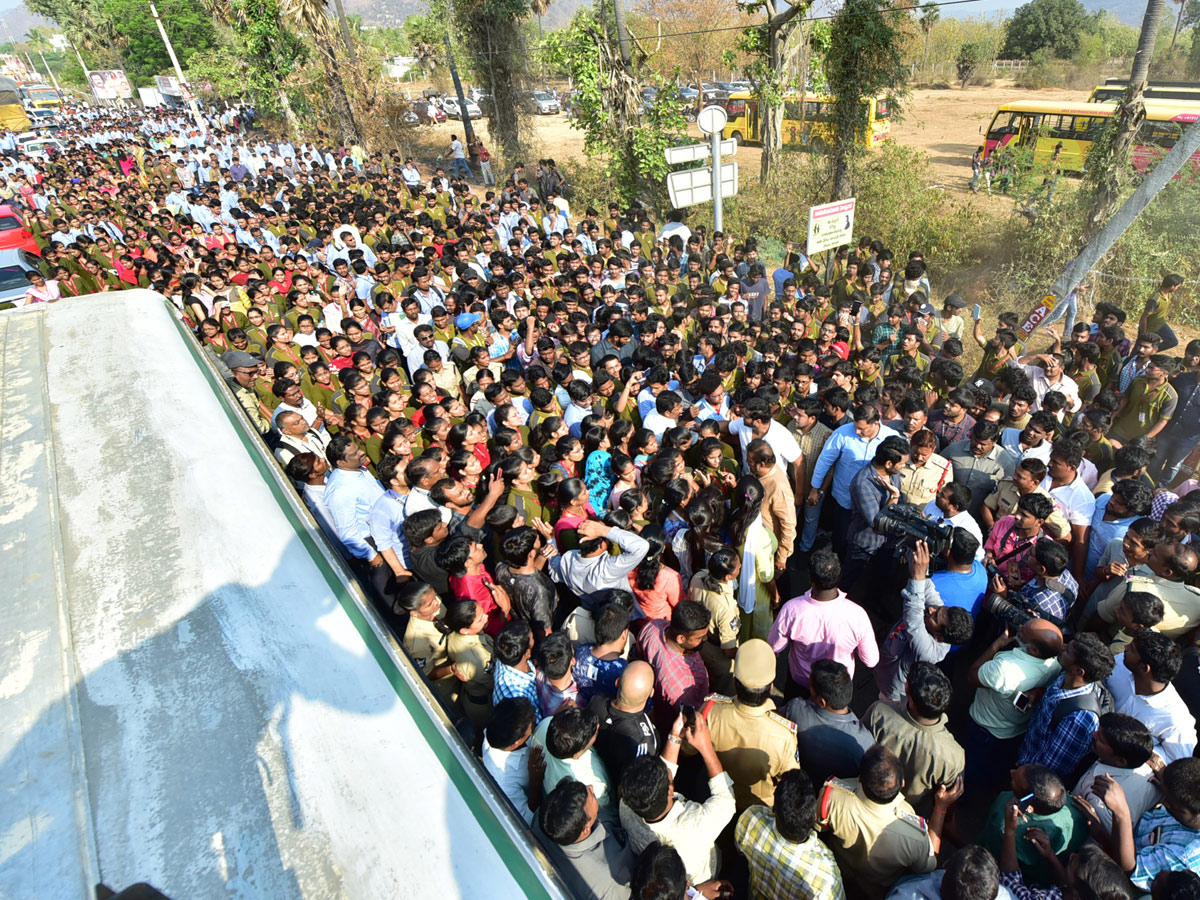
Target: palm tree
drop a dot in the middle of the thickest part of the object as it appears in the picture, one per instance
(930, 14)
(311, 16)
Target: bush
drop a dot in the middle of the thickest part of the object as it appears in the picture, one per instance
(895, 204)
(1043, 72)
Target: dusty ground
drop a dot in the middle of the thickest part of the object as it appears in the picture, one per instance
(947, 124)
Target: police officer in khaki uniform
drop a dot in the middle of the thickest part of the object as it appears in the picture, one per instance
(873, 831)
(755, 744)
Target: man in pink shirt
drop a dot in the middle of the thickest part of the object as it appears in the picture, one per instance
(823, 624)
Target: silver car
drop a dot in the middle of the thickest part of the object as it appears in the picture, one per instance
(542, 103)
(13, 283)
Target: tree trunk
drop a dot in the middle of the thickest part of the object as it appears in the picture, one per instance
(623, 33)
(925, 61)
(841, 171)
(782, 50)
(340, 100)
(1105, 166)
(345, 29)
(289, 114)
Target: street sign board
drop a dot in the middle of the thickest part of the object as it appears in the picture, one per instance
(830, 225)
(696, 152)
(693, 186)
(712, 119)
(1039, 313)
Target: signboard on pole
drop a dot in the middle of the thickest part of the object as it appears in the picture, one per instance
(690, 153)
(693, 186)
(1034, 319)
(830, 225)
(110, 84)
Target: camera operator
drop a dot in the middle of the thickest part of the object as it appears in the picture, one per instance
(949, 505)
(926, 632)
(1049, 595)
(874, 487)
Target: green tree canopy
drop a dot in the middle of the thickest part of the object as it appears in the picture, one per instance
(1054, 25)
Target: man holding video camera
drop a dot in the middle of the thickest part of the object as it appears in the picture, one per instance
(876, 486)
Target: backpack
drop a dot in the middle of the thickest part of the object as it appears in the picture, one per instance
(1099, 700)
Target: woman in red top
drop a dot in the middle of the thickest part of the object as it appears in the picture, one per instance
(343, 357)
(656, 587)
(573, 501)
(471, 436)
(462, 558)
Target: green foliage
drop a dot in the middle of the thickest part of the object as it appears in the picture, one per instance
(631, 154)
(864, 59)
(1054, 25)
(972, 57)
(1193, 60)
(1161, 240)
(894, 204)
(256, 55)
(1042, 72)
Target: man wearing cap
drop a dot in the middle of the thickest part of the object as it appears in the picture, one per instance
(755, 744)
(244, 369)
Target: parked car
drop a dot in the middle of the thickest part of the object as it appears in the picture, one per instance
(450, 105)
(40, 118)
(39, 144)
(540, 103)
(13, 283)
(13, 233)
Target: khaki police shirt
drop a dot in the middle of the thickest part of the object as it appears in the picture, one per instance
(874, 843)
(425, 644)
(756, 745)
(918, 484)
(472, 657)
(930, 754)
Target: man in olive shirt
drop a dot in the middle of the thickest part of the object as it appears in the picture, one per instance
(1147, 407)
(915, 730)
(244, 369)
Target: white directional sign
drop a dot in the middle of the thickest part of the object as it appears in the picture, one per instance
(830, 225)
(693, 186)
(696, 152)
(712, 118)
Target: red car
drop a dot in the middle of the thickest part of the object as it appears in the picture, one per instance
(13, 233)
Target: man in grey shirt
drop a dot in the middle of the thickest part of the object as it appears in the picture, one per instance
(590, 571)
(830, 739)
(926, 631)
(593, 863)
(979, 462)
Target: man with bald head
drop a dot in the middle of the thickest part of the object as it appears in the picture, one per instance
(1010, 676)
(626, 729)
(297, 437)
(1165, 573)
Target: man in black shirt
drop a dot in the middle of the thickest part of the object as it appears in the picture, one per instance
(425, 531)
(626, 729)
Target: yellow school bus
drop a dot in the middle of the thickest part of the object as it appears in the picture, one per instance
(1114, 88)
(1043, 125)
(816, 131)
(12, 113)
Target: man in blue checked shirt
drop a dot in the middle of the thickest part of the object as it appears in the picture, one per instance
(513, 672)
(847, 450)
(1167, 839)
(1060, 733)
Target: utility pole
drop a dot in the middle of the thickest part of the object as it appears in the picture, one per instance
(1158, 178)
(192, 103)
(50, 72)
(468, 131)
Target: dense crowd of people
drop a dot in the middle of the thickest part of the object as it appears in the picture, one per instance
(739, 580)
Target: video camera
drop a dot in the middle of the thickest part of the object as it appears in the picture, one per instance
(908, 526)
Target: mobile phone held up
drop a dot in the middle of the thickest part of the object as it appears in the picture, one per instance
(977, 312)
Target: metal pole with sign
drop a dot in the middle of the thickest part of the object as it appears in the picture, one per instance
(712, 121)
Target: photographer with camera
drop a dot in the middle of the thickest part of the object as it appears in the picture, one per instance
(1050, 595)
(926, 632)
(949, 505)
(875, 487)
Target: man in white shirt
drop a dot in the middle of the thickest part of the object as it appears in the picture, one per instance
(458, 156)
(1072, 498)
(668, 406)
(756, 423)
(1046, 374)
(506, 752)
(1141, 687)
(949, 505)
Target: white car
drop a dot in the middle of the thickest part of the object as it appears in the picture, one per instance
(450, 106)
(541, 103)
(33, 143)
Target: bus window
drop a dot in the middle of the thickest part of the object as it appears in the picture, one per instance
(1160, 134)
(735, 108)
(813, 109)
(1003, 127)
(1103, 95)
(791, 109)
(883, 108)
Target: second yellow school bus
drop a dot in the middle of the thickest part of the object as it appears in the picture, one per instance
(1043, 125)
(816, 130)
